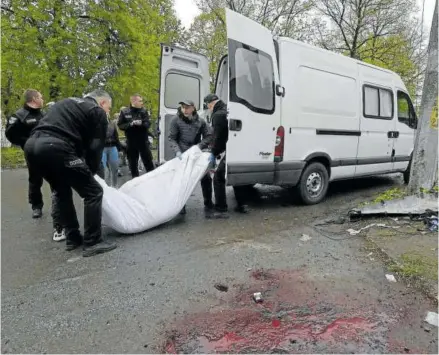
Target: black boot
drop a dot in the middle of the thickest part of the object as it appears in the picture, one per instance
(241, 209)
(37, 213)
(98, 248)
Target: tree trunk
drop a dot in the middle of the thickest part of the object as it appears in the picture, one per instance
(424, 169)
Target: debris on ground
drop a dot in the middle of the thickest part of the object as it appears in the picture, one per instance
(305, 238)
(221, 287)
(432, 318)
(408, 206)
(257, 297)
(390, 278)
(355, 232)
(432, 223)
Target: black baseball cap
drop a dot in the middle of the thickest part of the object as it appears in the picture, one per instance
(187, 103)
(209, 98)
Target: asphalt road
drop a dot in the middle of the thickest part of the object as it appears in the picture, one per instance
(157, 293)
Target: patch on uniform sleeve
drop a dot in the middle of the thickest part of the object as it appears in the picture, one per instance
(75, 162)
(12, 120)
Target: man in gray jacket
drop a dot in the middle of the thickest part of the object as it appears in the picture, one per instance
(188, 129)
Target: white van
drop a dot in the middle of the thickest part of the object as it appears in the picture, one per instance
(298, 115)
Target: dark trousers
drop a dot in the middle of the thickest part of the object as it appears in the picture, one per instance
(35, 183)
(134, 149)
(206, 188)
(219, 184)
(61, 167)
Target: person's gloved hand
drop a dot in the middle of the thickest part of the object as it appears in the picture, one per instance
(178, 155)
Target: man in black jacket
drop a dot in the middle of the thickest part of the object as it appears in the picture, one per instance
(187, 129)
(135, 122)
(220, 138)
(18, 129)
(66, 147)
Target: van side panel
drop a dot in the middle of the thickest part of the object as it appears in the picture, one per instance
(320, 111)
(377, 121)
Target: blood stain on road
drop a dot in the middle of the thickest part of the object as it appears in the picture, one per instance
(297, 315)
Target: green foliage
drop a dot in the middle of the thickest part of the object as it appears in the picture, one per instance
(393, 53)
(207, 36)
(391, 194)
(66, 48)
(413, 264)
(12, 157)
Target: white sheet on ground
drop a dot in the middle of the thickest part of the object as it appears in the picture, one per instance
(154, 198)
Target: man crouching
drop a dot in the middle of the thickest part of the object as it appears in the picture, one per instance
(188, 129)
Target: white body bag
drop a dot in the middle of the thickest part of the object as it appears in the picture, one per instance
(153, 198)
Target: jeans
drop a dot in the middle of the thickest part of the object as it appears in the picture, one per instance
(111, 155)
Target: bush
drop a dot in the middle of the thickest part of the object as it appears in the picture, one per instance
(12, 158)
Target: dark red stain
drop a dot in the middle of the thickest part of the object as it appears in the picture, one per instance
(296, 316)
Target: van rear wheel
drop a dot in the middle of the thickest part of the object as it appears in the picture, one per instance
(313, 184)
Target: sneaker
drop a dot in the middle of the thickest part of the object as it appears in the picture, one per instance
(59, 234)
(241, 209)
(98, 248)
(37, 213)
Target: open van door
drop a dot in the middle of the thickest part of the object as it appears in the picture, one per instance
(184, 75)
(254, 101)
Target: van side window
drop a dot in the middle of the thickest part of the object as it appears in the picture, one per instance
(251, 78)
(181, 87)
(377, 102)
(406, 113)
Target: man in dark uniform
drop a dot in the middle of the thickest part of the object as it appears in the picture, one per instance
(66, 147)
(187, 129)
(18, 129)
(135, 122)
(220, 138)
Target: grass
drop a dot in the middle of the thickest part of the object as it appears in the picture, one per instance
(12, 158)
(417, 265)
(391, 194)
(388, 195)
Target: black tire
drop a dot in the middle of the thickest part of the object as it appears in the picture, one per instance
(406, 174)
(312, 175)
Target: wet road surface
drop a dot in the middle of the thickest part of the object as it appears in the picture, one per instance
(157, 293)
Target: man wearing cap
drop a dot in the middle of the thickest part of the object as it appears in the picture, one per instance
(220, 137)
(188, 129)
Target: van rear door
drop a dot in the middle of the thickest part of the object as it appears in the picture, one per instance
(184, 75)
(254, 101)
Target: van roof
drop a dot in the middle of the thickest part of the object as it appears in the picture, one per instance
(396, 77)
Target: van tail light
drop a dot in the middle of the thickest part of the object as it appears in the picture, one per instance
(279, 145)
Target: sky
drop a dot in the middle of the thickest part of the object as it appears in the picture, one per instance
(187, 11)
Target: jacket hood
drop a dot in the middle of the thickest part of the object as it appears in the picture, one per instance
(220, 105)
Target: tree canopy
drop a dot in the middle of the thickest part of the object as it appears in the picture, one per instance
(66, 48)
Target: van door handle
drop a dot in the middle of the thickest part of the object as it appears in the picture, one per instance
(392, 134)
(235, 125)
(280, 90)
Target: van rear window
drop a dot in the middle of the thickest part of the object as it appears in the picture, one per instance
(377, 102)
(251, 78)
(179, 87)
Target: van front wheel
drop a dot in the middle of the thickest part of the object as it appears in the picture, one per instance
(313, 184)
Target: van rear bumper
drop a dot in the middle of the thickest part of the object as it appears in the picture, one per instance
(288, 173)
(283, 173)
